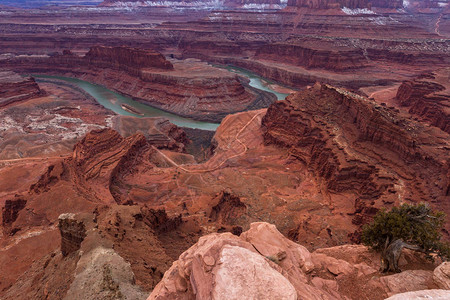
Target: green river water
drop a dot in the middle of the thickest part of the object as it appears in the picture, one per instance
(113, 100)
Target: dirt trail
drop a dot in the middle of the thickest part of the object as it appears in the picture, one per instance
(222, 162)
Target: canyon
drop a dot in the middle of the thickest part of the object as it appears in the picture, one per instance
(100, 203)
(299, 165)
(315, 44)
(186, 87)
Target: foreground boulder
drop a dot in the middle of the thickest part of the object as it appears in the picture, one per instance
(224, 266)
(263, 264)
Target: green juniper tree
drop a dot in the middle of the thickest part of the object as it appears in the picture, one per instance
(415, 227)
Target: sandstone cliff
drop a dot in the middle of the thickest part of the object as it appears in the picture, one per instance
(313, 55)
(128, 59)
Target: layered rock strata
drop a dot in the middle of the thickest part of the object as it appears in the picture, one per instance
(15, 88)
(378, 43)
(350, 141)
(441, 276)
(101, 156)
(428, 97)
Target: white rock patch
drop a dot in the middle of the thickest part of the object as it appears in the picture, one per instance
(243, 274)
(358, 11)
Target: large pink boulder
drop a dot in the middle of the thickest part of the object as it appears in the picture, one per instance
(222, 266)
(260, 264)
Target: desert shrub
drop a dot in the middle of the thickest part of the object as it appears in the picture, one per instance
(415, 224)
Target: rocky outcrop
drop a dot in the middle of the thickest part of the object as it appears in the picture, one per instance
(97, 163)
(316, 149)
(103, 274)
(223, 266)
(226, 209)
(407, 281)
(72, 232)
(416, 89)
(10, 212)
(158, 220)
(15, 88)
(103, 157)
(53, 174)
(428, 97)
